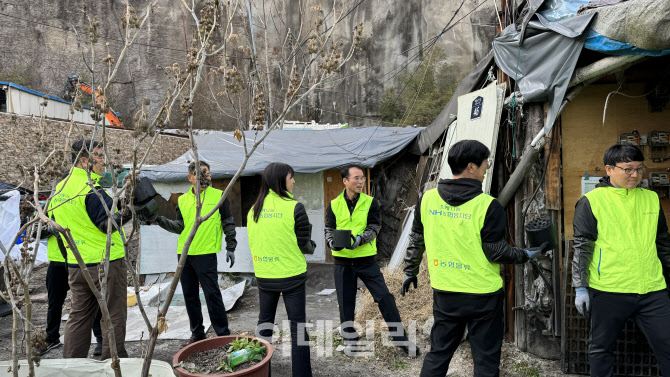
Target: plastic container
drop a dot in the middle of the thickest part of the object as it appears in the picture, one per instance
(540, 231)
(262, 369)
(342, 238)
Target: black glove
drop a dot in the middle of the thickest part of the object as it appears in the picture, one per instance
(147, 213)
(406, 284)
(357, 242)
(144, 192)
(333, 248)
(230, 257)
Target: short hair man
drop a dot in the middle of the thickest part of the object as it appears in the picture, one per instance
(201, 261)
(622, 248)
(355, 211)
(78, 207)
(462, 231)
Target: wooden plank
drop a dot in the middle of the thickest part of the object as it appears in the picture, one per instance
(552, 179)
(585, 139)
(519, 315)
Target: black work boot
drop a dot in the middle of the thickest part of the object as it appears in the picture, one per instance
(409, 348)
(195, 338)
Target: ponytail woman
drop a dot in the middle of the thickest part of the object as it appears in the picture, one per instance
(279, 234)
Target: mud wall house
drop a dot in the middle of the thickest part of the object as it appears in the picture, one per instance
(592, 75)
(317, 157)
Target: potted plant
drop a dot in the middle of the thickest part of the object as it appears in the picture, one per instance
(229, 356)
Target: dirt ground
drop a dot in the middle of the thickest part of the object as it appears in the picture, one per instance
(322, 311)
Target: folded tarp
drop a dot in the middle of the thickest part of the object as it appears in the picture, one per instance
(307, 151)
(544, 63)
(622, 27)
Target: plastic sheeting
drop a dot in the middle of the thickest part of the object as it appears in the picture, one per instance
(87, 368)
(543, 65)
(10, 219)
(472, 81)
(623, 27)
(306, 151)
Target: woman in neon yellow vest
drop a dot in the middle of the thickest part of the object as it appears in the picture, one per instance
(279, 234)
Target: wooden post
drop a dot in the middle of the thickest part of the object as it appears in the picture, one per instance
(519, 295)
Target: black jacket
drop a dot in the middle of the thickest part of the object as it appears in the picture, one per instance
(585, 228)
(457, 192)
(227, 222)
(373, 226)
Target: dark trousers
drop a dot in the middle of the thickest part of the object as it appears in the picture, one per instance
(609, 313)
(201, 270)
(345, 285)
(85, 307)
(294, 301)
(57, 287)
(482, 314)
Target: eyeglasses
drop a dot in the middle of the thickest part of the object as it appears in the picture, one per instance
(359, 179)
(629, 171)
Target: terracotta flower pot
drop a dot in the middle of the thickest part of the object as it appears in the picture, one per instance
(262, 369)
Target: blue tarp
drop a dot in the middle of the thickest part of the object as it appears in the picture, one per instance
(555, 10)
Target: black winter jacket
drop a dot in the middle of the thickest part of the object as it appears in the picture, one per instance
(585, 228)
(457, 192)
(227, 222)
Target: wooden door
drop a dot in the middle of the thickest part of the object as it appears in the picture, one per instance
(332, 187)
(234, 197)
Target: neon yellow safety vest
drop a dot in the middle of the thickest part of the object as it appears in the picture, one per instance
(68, 208)
(452, 234)
(272, 240)
(355, 221)
(209, 235)
(625, 259)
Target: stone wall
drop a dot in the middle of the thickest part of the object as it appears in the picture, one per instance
(20, 138)
(41, 54)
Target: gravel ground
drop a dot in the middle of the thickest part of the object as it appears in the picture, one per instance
(320, 309)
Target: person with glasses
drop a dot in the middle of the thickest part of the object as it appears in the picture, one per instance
(622, 249)
(361, 214)
(462, 231)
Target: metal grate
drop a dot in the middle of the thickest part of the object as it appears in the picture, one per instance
(633, 356)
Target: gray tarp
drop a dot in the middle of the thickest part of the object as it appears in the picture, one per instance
(305, 150)
(642, 23)
(543, 65)
(470, 83)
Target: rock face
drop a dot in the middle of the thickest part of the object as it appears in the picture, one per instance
(41, 49)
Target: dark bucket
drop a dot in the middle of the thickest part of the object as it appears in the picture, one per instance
(540, 231)
(341, 238)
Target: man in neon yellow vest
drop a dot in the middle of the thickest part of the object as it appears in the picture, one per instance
(622, 249)
(78, 207)
(355, 211)
(201, 261)
(462, 231)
